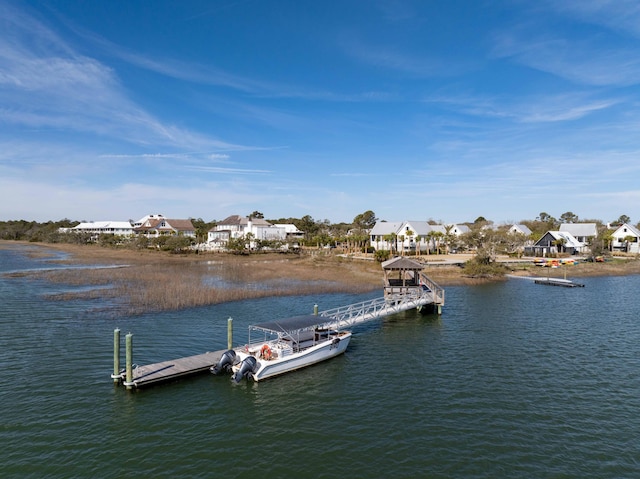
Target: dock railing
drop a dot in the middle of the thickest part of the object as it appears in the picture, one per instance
(352, 314)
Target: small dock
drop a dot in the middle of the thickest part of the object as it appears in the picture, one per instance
(566, 283)
(174, 369)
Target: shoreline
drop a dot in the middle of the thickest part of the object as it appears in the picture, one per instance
(149, 281)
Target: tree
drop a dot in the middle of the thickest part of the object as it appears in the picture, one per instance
(257, 215)
(569, 217)
(366, 220)
(623, 219)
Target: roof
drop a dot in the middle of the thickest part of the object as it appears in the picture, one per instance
(401, 263)
(382, 228)
(295, 323)
(570, 240)
(524, 229)
(180, 225)
(104, 225)
(580, 229)
(237, 220)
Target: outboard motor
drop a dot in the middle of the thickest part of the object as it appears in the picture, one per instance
(248, 366)
(227, 360)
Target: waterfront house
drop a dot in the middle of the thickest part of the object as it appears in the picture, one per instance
(96, 228)
(407, 236)
(626, 238)
(236, 226)
(152, 227)
(520, 229)
(555, 242)
(583, 232)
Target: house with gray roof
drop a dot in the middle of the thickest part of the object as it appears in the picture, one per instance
(520, 229)
(555, 242)
(408, 236)
(583, 232)
(626, 238)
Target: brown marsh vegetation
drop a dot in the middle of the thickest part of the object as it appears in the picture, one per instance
(146, 281)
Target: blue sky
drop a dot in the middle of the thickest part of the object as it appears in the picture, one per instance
(445, 110)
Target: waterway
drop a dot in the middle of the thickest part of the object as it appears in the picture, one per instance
(513, 380)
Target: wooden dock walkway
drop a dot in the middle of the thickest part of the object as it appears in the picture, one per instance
(173, 369)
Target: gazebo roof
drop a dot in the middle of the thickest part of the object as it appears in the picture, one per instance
(401, 263)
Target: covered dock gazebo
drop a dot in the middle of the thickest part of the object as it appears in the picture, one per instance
(401, 275)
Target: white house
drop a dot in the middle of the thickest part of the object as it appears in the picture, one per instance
(417, 236)
(291, 230)
(236, 226)
(626, 238)
(554, 242)
(520, 229)
(458, 230)
(120, 228)
(583, 232)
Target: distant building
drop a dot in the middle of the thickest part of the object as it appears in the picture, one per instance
(236, 226)
(520, 229)
(153, 226)
(120, 228)
(626, 238)
(583, 232)
(555, 242)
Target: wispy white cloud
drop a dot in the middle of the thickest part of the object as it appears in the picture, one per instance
(45, 84)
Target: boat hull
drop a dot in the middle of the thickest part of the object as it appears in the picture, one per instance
(268, 368)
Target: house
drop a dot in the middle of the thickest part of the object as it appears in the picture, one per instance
(95, 228)
(153, 226)
(520, 229)
(626, 238)
(384, 234)
(417, 236)
(292, 231)
(583, 232)
(554, 242)
(236, 226)
(458, 230)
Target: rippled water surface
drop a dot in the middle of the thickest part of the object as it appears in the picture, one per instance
(514, 380)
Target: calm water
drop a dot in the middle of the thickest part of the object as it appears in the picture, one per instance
(514, 380)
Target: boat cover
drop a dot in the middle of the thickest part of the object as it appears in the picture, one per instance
(288, 325)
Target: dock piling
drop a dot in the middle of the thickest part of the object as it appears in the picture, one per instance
(315, 310)
(129, 360)
(230, 333)
(116, 356)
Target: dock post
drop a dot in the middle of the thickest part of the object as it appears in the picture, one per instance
(315, 310)
(116, 356)
(439, 309)
(230, 333)
(129, 360)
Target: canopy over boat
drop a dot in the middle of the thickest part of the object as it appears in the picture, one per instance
(291, 325)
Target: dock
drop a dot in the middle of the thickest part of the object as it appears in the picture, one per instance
(567, 283)
(173, 369)
(406, 287)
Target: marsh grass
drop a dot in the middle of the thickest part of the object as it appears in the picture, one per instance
(159, 282)
(149, 281)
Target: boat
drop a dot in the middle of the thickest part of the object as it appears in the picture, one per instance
(284, 345)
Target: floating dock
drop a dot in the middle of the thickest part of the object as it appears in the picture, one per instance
(559, 282)
(174, 369)
(411, 289)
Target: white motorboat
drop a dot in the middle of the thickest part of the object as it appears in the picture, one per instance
(285, 345)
